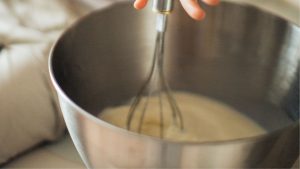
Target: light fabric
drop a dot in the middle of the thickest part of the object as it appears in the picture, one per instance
(28, 109)
(29, 113)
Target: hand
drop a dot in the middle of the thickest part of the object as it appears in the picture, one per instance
(192, 7)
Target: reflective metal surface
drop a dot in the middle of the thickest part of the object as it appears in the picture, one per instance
(163, 6)
(239, 55)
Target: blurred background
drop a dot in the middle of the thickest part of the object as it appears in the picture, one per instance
(32, 131)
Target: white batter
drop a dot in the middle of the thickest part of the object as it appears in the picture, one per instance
(204, 119)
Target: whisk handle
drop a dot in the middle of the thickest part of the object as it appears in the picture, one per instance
(163, 6)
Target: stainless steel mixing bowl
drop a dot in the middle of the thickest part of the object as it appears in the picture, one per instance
(240, 55)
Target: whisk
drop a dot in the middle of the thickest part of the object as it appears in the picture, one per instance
(163, 8)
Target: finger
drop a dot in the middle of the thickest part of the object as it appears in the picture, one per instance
(140, 4)
(211, 2)
(193, 8)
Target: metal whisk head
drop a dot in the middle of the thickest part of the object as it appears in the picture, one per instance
(157, 76)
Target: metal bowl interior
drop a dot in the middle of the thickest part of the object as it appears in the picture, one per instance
(239, 55)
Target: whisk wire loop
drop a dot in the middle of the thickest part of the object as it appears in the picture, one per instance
(157, 75)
